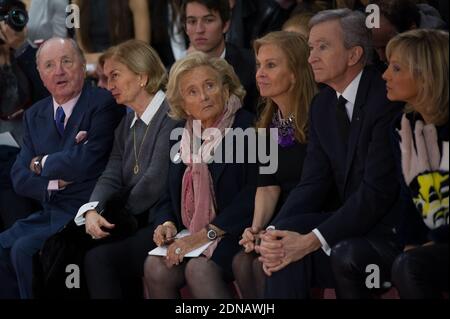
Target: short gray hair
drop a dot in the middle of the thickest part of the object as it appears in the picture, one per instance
(224, 71)
(74, 44)
(354, 30)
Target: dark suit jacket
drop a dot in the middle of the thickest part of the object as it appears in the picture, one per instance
(234, 186)
(252, 19)
(98, 115)
(364, 175)
(159, 14)
(243, 62)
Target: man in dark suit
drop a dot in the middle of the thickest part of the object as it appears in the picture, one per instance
(348, 150)
(206, 23)
(67, 140)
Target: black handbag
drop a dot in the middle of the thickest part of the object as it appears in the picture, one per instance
(66, 249)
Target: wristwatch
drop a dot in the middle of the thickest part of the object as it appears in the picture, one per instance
(212, 232)
(37, 165)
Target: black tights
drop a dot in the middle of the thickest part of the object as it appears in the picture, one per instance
(204, 278)
(249, 275)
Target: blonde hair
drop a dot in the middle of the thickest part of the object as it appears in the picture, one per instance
(140, 58)
(425, 53)
(296, 50)
(225, 73)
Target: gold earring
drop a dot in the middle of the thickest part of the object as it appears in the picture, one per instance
(142, 85)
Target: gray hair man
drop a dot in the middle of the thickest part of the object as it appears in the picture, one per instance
(349, 163)
(68, 137)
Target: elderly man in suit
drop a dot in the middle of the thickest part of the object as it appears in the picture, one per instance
(206, 23)
(67, 140)
(349, 153)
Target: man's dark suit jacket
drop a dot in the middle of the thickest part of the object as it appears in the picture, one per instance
(243, 62)
(96, 113)
(364, 173)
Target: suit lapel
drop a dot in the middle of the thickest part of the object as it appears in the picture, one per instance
(46, 120)
(229, 53)
(357, 119)
(73, 125)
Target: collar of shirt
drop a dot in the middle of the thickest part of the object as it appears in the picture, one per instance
(350, 94)
(222, 56)
(67, 107)
(151, 109)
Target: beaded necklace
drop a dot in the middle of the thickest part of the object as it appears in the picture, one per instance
(286, 129)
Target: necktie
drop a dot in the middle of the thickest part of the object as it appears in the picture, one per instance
(342, 119)
(59, 119)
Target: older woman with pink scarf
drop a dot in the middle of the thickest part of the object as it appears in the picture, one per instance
(209, 196)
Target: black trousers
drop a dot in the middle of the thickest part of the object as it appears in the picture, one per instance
(422, 273)
(115, 270)
(361, 266)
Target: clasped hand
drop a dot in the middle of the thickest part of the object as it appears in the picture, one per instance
(280, 248)
(251, 238)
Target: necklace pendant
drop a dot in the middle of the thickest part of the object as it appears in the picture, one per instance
(136, 169)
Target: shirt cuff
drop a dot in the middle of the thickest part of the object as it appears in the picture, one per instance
(79, 218)
(325, 247)
(53, 185)
(43, 161)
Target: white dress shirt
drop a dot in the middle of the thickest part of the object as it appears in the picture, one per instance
(68, 109)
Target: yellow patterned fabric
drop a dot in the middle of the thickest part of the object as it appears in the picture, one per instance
(425, 168)
(430, 196)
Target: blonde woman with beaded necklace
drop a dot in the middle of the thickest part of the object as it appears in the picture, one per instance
(286, 84)
(138, 164)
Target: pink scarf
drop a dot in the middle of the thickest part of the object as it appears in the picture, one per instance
(198, 206)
